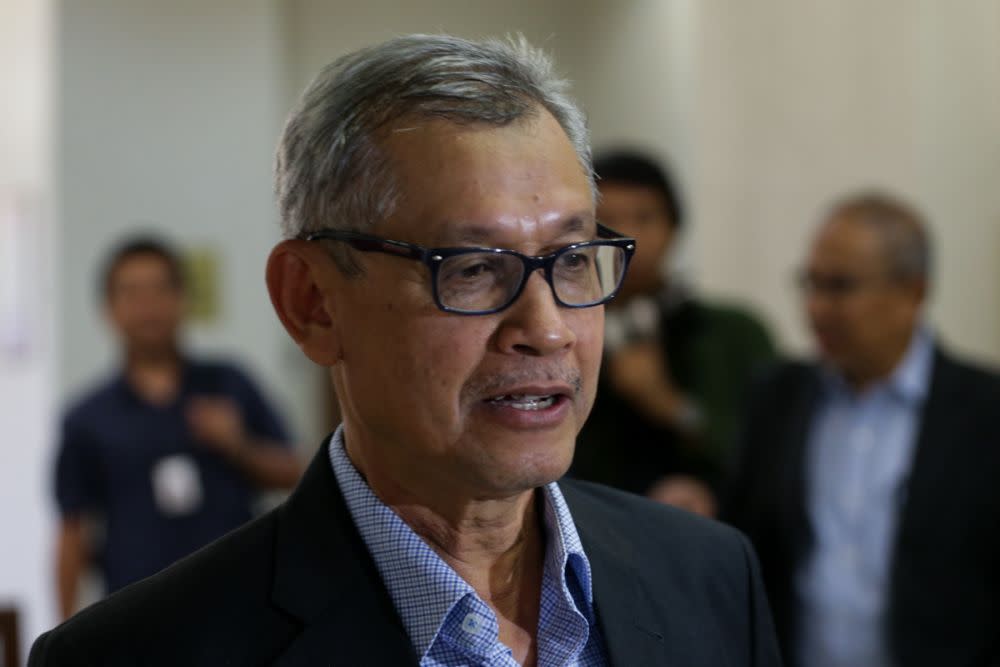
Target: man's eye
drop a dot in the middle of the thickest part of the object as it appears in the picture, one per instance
(575, 260)
(475, 270)
(469, 269)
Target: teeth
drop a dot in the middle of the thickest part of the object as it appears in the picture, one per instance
(525, 401)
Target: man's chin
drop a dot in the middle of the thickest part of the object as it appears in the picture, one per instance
(508, 473)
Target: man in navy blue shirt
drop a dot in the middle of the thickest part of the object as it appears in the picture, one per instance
(169, 452)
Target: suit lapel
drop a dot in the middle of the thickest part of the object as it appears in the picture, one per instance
(325, 578)
(931, 460)
(625, 613)
(793, 498)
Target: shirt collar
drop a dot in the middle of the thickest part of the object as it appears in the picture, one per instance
(424, 589)
(910, 380)
(123, 387)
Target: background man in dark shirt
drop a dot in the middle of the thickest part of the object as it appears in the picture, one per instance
(675, 366)
(169, 452)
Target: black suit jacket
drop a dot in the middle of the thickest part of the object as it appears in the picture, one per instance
(298, 587)
(944, 588)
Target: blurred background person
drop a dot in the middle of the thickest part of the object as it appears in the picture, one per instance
(675, 365)
(167, 454)
(868, 482)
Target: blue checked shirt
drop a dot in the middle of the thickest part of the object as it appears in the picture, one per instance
(448, 623)
(859, 454)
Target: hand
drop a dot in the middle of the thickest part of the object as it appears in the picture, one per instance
(217, 422)
(638, 368)
(685, 492)
(638, 372)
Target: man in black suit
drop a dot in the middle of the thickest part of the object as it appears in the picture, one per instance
(443, 260)
(868, 479)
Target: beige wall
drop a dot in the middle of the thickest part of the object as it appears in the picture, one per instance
(788, 104)
(317, 31)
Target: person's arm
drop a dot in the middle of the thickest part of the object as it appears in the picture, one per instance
(638, 373)
(72, 558)
(269, 465)
(217, 423)
(79, 493)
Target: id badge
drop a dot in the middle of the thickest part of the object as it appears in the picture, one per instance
(177, 486)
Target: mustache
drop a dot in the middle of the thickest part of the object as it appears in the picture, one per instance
(491, 385)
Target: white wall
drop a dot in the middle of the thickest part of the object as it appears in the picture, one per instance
(772, 108)
(27, 386)
(168, 117)
(318, 31)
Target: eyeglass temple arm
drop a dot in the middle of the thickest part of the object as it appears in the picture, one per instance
(366, 243)
(605, 232)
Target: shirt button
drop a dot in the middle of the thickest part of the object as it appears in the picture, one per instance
(472, 623)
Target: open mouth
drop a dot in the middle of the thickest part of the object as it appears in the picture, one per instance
(527, 402)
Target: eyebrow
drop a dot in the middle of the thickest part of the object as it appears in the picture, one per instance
(486, 236)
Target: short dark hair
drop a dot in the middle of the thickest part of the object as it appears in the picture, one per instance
(629, 167)
(141, 245)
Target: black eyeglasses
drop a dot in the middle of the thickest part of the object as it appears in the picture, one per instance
(481, 281)
(836, 285)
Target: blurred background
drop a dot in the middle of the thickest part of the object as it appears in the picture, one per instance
(121, 115)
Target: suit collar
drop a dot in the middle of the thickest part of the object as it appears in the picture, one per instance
(321, 562)
(939, 423)
(626, 615)
(792, 476)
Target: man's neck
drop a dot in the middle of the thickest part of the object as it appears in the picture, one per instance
(154, 374)
(881, 369)
(496, 545)
(492, 544)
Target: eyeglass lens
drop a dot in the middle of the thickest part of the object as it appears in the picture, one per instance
(582, 276)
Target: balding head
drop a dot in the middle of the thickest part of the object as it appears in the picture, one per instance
(900, 229)
(865, 283)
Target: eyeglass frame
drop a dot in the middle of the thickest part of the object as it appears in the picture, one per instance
(433, 258)
(839, 287)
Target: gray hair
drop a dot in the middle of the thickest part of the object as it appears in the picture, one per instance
(331, 171)
(901, 228)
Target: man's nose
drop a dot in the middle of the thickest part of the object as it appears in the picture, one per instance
(535, 325)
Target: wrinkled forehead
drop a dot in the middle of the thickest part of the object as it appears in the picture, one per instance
(477, 183)
(847, 243)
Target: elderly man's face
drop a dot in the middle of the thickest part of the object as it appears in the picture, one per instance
(861, 316)
(490, 404)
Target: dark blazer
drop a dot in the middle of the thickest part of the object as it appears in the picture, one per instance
(944, 589)
(298, 587)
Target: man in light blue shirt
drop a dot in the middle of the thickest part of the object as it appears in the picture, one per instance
(443, 260)
(858, 456)
(868, 478)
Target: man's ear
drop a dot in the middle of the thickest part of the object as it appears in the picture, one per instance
(300, 277)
